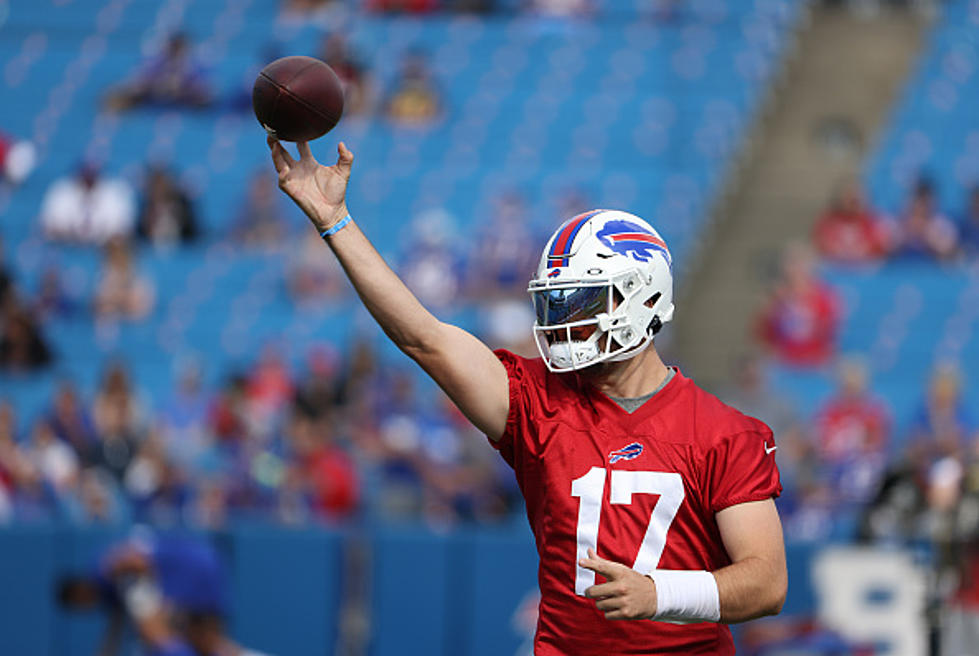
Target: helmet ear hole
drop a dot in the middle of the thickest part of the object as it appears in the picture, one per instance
(653, 299)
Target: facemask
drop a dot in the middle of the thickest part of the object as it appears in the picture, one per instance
(572, 354)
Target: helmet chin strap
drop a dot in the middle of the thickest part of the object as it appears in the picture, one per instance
(633, 351)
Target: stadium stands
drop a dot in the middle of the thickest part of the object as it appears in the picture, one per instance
(631, 112)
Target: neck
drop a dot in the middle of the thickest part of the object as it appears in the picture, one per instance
(630, 378)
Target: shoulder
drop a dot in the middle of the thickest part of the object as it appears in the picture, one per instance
(713, 422)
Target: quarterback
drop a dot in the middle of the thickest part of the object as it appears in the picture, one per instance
(650, 500)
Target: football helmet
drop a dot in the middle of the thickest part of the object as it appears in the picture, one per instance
(603, 289)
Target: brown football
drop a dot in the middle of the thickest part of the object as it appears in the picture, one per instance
(298, 98)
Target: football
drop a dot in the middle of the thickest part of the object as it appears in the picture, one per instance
(297, 98)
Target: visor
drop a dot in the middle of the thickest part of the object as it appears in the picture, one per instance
(559, 306)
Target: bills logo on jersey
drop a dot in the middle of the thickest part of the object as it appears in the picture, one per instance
(634, 240)
(627, 452)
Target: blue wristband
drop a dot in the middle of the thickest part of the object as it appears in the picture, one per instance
(336, 227)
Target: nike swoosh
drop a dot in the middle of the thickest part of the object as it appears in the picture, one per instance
(769, 449)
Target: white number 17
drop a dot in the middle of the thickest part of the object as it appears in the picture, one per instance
(589, 489)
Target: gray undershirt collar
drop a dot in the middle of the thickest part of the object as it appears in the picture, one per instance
(633, 404)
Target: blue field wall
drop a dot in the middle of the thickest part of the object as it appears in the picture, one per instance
(468, 591)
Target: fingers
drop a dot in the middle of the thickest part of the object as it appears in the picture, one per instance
(603, 590)
(280, 156)
(345, 159)
(606, 568)
(304, 152)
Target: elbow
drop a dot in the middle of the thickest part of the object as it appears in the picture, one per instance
(777, 593)
(419, 343)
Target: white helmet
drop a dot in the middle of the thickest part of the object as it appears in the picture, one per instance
(606, 269)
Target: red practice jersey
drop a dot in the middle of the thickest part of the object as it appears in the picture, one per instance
(641, 488)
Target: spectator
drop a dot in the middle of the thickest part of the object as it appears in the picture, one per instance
(850, 231)
(433, 271)
(172, 589)
(22, 344)
(560, 9)
(53, 297)
(313, 278)
(17, 159)
(414, 99)
(7, 290)
(228, 417)
(261, 218)
(70, 420)
(504, 250)
(324, 14)
(184, 416)
(87, 208)
(317, 395)
(121, 292)
(799, 320)
(8, 461)
(154, 484)
(403, 6)
(55, 461)
(943, 426)
(357, 87)
(119, 422)
(269, 390)
(167, 214)
(924, 232)
(852, 431)
(327, 473)
(172, 78)
(970, 225)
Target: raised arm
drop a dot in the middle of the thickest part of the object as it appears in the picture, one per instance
(463, 366)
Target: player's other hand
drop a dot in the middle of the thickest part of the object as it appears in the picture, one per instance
(320, 191)
(626, 595)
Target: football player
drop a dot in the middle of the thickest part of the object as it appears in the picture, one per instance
(650, 500)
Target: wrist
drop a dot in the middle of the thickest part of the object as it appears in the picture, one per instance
(686, 596)
(332, 216)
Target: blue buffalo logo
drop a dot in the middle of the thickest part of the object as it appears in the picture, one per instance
(633, 240)
(627, 452)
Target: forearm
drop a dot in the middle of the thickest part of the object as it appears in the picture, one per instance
(402, 317)
(749, 589)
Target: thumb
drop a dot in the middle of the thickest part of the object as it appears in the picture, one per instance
(345, 159)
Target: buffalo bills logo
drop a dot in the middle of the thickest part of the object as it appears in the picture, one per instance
(625, 453)
(634, 240)
(554, 273)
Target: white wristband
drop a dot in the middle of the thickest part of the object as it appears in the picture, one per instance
(686, 596)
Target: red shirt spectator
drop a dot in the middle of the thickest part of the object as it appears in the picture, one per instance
(333, 481)
(850, 231)
(326, 474)
(852, 423)
(799, 321)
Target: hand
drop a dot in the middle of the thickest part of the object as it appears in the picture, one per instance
(320, 191)
(627, 595)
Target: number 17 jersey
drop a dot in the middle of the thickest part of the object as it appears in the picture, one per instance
(641, 488)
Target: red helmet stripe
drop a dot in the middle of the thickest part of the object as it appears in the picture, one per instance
(566, 237)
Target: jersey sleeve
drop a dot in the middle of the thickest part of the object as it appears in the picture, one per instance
(741, 468)
(518, 414)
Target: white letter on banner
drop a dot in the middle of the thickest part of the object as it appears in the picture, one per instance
(872, 596)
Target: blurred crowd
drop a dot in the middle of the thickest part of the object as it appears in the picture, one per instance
(849, 472)
(339, 440)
